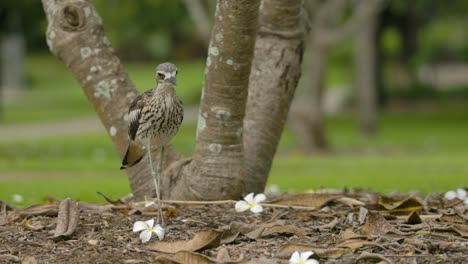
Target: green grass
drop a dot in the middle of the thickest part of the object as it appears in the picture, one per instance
(414, 150)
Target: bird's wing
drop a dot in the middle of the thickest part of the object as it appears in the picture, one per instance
(134, 113)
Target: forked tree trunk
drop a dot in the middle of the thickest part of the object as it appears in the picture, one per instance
(223, 153)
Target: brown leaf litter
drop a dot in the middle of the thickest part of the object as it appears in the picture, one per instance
(340, 227)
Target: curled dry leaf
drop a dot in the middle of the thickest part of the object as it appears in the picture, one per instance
(67, 219)
(351, 202)
(113, 202)
(377, 225)
(329, 225)
(29, 225)
(44, 210)
(362, 214)
(414, 219)
(313, 200)
(402, 207)
(209, 238)
(349, 234)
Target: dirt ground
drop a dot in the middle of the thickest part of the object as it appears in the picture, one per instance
(346, 227)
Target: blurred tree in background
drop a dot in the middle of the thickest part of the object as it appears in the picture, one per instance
(140, 30)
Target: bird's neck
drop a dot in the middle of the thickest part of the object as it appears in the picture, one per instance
(165, 89)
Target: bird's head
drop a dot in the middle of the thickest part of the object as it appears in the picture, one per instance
(166, 72)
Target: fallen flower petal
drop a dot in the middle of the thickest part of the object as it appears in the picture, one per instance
(251, 202)
(450, 195)
(302, 258)
(242, 206)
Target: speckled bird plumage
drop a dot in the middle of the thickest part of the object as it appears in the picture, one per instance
(155, 115)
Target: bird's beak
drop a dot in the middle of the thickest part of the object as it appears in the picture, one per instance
(173, 80)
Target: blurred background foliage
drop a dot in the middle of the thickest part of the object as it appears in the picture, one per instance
(422, 74)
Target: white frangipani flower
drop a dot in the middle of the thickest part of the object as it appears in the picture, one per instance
(147, 230)
(251, 202)
(17, 198)
(302, 258)
(462, 194)
(450, 195)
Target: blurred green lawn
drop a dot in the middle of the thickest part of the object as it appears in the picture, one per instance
(424, 150)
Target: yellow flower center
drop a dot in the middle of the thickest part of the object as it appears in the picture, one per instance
(150, 229)
(251, 204)
(301, 262)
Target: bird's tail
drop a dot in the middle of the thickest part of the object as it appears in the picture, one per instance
(133, 155)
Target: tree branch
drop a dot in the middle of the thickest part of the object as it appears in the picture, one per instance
(75, 35)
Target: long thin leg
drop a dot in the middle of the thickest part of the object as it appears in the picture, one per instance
(153, 173)
(158, 191)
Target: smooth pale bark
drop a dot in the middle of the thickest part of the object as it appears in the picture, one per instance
(365, 76)
(200, 18)
(75, 35)
(12, 54)
(273, 80)
(306, 117)
(217, 169)
(326, 31)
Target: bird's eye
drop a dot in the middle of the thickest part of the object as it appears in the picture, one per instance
(160, 76)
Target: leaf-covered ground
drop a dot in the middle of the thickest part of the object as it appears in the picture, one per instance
(340, 227)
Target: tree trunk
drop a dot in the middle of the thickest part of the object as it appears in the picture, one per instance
(75, 34)
(200, 19)
(273, 80)
(12, 54)
(365, 76)
(218, 168)
(306, 118)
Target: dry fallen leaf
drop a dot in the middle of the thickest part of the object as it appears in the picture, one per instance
(67, 219)
(414, 219)
(29, 225)
(45, 210)
(402, 207)
(351, 202)
(209, 238)
(313, 200)
(367, 255)
(29, 260)
(254, 231)
(377, 225)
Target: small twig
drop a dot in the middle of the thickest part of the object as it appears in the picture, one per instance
(233, 202)
(30, 243)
